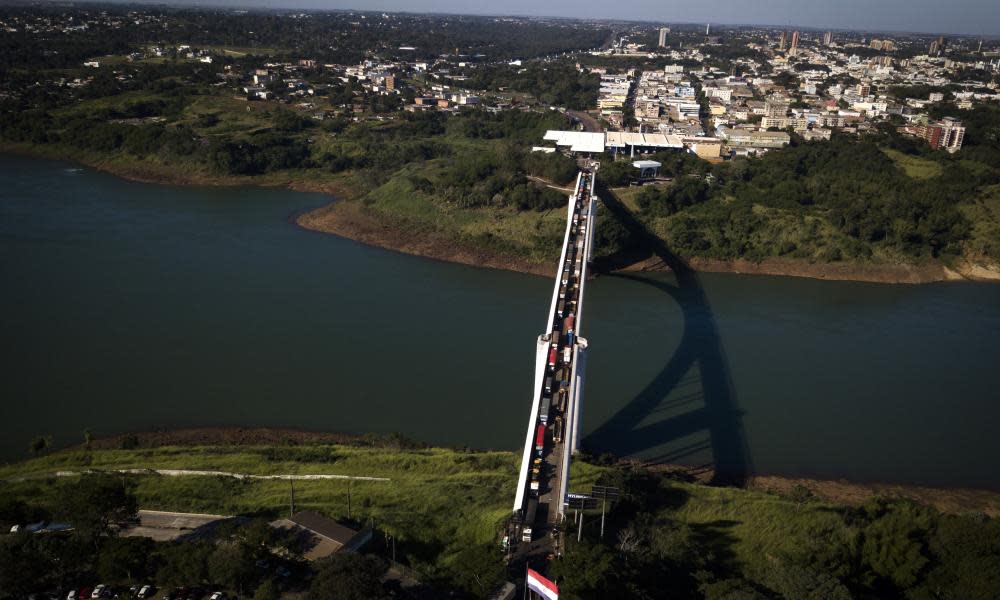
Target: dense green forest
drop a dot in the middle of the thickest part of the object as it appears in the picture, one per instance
(552, 83)
(340, 37)
(847, 199)
(883, 549)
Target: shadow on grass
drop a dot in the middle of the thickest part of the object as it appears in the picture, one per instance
(712, 403)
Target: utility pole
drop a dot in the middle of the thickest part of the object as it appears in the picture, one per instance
(579, 530)
(348, 498)
(291, 508)
(603, 503)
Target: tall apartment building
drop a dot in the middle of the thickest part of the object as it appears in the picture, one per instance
(828, 38)
(783, 41)
(937, 47)
(795, 44)
(946, 134)
(864, 89)
(663, 37)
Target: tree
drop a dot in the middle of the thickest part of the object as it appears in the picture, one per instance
(348, 576)
(232, 565)
(24, 567)
(894, 544)
(185, 563)
(267, 591)
(586, 570)
(40, 444)
(96, 505)
(125, 560)
(480, 570)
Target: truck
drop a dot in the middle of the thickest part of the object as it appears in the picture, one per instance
(557, 430)
(569, 322)
(529, 519)
(567, 355)
(552, 356)
(561, 307)
(543, 412)
(548, 384)
(540, 438)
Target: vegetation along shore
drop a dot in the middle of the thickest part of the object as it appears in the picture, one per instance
(778, 535)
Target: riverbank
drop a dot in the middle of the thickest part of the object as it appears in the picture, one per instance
(347, 218)
(444, 508)
(350, 220)
(948, 501)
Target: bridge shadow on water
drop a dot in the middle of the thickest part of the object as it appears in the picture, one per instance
(702, 400)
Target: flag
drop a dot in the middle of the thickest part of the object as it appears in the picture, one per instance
(542, 586)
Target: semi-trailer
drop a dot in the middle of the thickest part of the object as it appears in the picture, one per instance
(529, 519)
(543, 412)
(567, 355)
(552, 356)
(557, 429)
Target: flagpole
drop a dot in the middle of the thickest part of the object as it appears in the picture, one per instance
(525, 581)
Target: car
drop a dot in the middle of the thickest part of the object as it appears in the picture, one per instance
(218, 596)
(99, 591)
(84, 593)
(282, 571)
(146, 591)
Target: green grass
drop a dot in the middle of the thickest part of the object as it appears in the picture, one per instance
(914, 166)
(437, 502)
(984, 214)
(533, 235)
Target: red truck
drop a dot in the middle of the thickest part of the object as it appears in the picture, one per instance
(552, 357)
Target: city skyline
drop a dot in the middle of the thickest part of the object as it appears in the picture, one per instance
(965, 17)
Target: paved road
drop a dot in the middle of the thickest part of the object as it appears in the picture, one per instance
(187, 472)
(164, 526)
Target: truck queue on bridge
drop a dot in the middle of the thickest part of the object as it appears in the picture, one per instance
(552, 420)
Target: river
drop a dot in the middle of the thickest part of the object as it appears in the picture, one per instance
(130, 307)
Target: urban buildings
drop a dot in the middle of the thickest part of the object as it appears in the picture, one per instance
(946, 134)
(663, 37)
(795, 44)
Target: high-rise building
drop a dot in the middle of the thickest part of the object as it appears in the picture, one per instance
(663, 37)
(864, 89)
(795, 43)
(946, 134)
(828, 38)
(707, 28)
(784, 40)
(937, 47)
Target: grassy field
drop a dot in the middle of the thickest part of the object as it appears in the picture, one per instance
(914, 166)
(437, 501)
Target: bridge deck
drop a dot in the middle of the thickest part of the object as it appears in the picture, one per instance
(560, 358)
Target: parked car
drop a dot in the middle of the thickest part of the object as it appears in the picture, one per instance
(146, 591)
(218, 596)
(98, 591)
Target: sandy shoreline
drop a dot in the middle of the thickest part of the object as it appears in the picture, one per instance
(848, 493)
(348, 219)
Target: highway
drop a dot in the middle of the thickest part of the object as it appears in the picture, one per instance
(560, 353)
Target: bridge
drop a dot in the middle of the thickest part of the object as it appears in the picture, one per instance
(560, 363)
